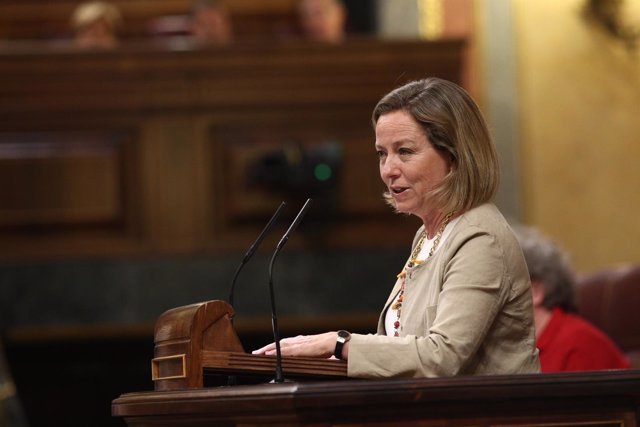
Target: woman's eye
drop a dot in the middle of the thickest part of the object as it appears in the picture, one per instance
(381, 154)
(405, 151)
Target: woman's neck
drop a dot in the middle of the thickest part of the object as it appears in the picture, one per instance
(433, 223)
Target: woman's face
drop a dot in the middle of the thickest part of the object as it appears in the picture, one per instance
(410, 165)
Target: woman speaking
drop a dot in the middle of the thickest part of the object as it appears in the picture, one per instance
(462, 302)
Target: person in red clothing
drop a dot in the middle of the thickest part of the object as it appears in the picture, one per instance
(566, 341)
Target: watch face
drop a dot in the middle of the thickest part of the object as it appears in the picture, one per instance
(344, 334)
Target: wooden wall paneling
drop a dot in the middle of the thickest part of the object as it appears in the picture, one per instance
(171, 183)
(159, 80)
(196, 118)
(238, 149)
(75, 187)
(58, 175)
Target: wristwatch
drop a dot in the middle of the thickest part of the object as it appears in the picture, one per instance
(342, 339)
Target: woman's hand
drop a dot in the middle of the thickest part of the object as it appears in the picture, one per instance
(321, 345)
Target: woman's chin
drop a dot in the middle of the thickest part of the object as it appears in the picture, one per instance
(402, 209)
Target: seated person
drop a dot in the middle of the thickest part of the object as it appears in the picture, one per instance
(211, 23)
(96, 25)
(566, 341)
(322, 20)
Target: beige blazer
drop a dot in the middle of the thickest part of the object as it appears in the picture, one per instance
(466, 311)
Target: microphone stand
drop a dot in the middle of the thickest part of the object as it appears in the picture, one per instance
(279, 378)
(253, 249)
(231, 379)
(274, 323)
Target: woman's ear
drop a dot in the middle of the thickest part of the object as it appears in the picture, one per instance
(452, 163)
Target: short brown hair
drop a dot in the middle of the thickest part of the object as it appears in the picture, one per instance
(454, 124)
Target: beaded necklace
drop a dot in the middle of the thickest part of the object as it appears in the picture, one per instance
(413, 260)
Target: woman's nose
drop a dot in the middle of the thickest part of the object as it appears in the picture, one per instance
(388, 168)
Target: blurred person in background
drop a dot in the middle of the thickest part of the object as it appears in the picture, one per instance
(210, 22)
(322, 20)
(566, 341)
(96, 25)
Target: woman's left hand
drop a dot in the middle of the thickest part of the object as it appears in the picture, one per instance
(321, 345)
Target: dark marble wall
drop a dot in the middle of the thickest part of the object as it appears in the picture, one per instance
(135, 290)
(96, 368)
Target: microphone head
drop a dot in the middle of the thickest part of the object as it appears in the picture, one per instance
(294, 224)
(252, 249)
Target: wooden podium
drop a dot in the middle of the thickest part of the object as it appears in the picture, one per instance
(586, 399)
(199, 339)
(193, 340)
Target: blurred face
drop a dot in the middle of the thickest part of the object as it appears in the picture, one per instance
(410, 165)
(98, 34)
(322, 20)
(210, 25)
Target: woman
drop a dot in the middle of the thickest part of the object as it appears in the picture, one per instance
(462, 303)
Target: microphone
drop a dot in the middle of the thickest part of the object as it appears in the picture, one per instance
(231, 379)
(274, 318)
(253, 249)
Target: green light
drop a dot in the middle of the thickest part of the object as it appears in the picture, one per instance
(322, 172)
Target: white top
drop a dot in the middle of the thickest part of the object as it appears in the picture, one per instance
(391, 316)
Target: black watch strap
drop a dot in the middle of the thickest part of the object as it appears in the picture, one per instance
(342, 338)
